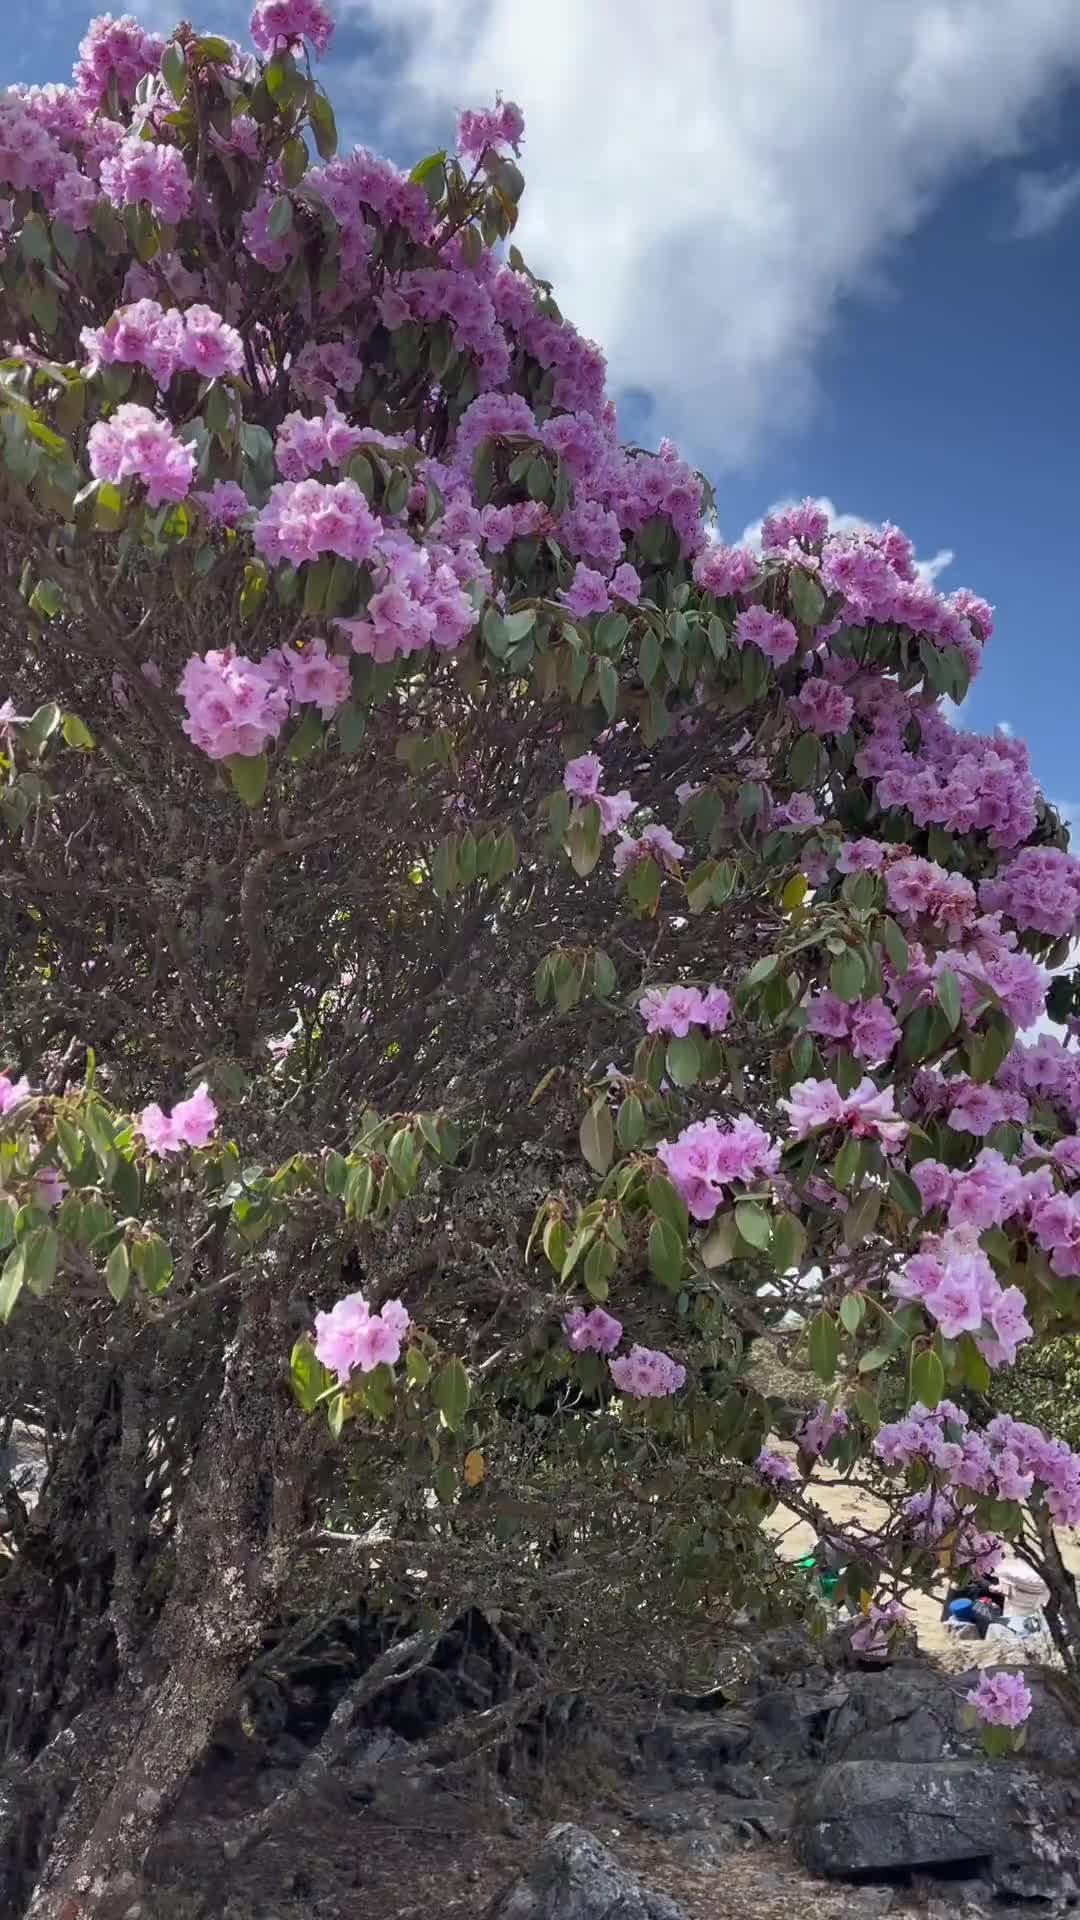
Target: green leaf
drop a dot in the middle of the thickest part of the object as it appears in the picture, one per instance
(294, 161)
(665, 1254)
(847, 975)
(12, 1280)
(452, 1394)
(861, 1217)
(597, 1136)
(905, 1193)
(174, 71)
(683, 1060)
(249, 774)
(599, 1267)
(351, 724)
(895, 945)
(824, 1345)
(847, 1162)
(852, 1308)
(807, 598)
(323, 124)
(607, 682)
(667, 1204)
(118, 1272)
(788, 1242)
(335, 1174)
(153, 1263)
(947, 992)
(77, 733)
(718, 1247)
(630, 1122)
(306, 737)
(417, 1367)
(40, 1249)
(761, 970)
(280, 219)
(754, 1224)
(309, 1377)
(927, 1379)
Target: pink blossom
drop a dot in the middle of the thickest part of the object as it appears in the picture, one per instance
(225, 502)
(581, 777)
(820, 1428)
(118, 51)
(645, 1374)
(494, 129)
(143, 170)
(723, 571)
(976, 1109)
(775, 636)
(597, 1331)
(277, 23)
(233, 705)
(587, 593)
(1001, 1699)
(865, 1111)
(319, 679)
(133, 445)
(654, 841)
(626, 584)
(210, 346)
(706, 1158)
(49, 1187)
(350, 1337)
(877, 1626)
(12, 1092)
(190, 1123)
(775, 1467)
(823, 707)
(1039, 889)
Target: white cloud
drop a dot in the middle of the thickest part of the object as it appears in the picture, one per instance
(709, 179)
(1043, 201)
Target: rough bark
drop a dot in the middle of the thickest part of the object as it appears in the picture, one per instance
(241, 1513)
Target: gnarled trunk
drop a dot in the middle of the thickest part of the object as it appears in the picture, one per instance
(241, 1513)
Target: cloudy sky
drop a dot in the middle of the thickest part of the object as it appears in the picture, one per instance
(830, 246)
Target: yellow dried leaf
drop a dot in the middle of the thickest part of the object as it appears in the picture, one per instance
(474, 1467)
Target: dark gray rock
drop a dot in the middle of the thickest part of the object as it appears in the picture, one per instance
(747, 1822)
(911, 1712)
(574, 1878)
(1016, 1826)
(688, 1748)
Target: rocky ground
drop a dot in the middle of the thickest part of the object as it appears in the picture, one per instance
(833, 1794)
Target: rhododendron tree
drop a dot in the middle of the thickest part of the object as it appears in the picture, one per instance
(478, 952)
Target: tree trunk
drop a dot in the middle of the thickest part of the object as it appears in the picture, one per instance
(243, 1509)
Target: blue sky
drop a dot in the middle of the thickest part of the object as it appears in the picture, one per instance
(832, 246)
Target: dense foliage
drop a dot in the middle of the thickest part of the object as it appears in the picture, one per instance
(465, 929)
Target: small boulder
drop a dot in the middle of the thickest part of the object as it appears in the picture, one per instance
(574, 1878)
(1018, 1827)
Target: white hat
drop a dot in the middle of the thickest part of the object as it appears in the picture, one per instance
(1024, 1591)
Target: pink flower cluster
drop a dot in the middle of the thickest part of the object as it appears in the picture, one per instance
(13, 1092)
(133, 445)
(877, 1626)
(304, 444)
(950, 778)
(165, 341)
(233, 705)
(921, 890)
(820, 1428)
(142, 170)
(775, 637)
(119, 51)
(954, 1281)
(277, 23)
(723, 571)
(1001, 1699)
(823, 707)
(867, 1112)
(706, 1158)
(596, 1331)
(225, 503)
(418, 599)
(676, 1009)
(652, 843)
(239, 706)
(492, 130)
(866, 1026)
(775, 1467)
(303, 519)
(987, 1194)
(647, 1375)
(1039, 889)
(350, 1337)
(190, 1123)
(581, 779)
(587, 593)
